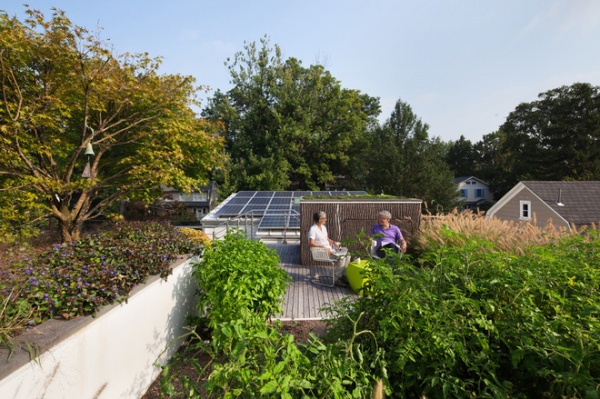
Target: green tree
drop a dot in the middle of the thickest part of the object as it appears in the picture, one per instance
(553, 138)
(286, 125)
(404, 161)
(462, 158)
(63, 90)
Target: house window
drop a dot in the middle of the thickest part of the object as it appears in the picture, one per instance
(479, 192)
(525, 210)
(464, 193)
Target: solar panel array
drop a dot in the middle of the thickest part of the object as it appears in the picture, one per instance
(276, 208)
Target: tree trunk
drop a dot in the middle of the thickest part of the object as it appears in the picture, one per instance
(70, 230)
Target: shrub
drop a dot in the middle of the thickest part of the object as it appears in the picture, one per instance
(473, 321)
(240, 277)
(241, 285)
(76, 278)
(197, 236)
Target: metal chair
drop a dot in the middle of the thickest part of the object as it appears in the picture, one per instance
(321, 255)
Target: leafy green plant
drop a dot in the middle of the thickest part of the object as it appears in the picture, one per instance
(249, 358)
(77, 278)
(473, 321)
(14, 313)
(241, 284)
(238, 277)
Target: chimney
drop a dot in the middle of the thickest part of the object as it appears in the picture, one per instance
(559, 203)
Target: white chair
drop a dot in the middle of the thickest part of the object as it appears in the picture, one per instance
(330, 264)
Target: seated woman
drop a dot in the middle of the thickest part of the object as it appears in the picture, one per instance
(318, 237)
(388, 236)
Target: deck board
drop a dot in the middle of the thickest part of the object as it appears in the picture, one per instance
(304, 300)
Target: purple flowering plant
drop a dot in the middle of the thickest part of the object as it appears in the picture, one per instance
(75, 279)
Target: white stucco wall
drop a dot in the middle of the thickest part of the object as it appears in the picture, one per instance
(113, 355)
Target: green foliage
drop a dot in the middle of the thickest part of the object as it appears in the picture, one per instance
(468, 322)
(249, 358)
(404, 161)
(77, 278)
(239, 278)
(241, 284)
(14, 314)
(552, 138)
(63, 89)
(287, 124)
(260, 361)
(352, 197)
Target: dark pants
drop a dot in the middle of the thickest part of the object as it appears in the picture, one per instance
(381, 251)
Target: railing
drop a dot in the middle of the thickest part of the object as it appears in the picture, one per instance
(249, 223)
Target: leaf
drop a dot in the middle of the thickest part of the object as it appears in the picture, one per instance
(270, 387)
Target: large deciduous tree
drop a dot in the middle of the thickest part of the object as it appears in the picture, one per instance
(287, 125)
(554, 138)
(404, 161)
(62, 90)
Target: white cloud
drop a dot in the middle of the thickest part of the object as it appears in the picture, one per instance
(569, 16)
(580, 16)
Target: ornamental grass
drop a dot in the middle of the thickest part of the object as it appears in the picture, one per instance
(507, 236)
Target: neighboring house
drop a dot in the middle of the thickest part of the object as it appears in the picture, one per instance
(197, 203)
(474, 192)
(564, 203)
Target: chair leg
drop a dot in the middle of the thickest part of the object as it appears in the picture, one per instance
(316, 280)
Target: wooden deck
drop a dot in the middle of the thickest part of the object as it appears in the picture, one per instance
(304, 300)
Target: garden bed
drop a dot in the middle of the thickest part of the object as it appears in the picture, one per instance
(110, 355)
(299, 329)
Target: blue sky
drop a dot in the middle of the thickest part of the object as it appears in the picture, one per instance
(463, 66)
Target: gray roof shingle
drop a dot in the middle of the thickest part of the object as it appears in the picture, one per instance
(580, 199)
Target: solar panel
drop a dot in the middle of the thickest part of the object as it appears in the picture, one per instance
(257, 200)
(272, 221)
(294, 221)
(238, 201)
(281, 201)
(230, 210)
(277, 209)
(258, 210)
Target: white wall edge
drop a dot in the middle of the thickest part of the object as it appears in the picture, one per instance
(110, 356)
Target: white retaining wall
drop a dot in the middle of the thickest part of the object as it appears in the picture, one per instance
(110, 356)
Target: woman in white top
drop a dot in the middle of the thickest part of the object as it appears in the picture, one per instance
(318, 233)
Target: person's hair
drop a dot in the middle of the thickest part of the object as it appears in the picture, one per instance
(385, 214)
(318, 215)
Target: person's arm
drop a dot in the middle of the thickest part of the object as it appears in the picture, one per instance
(334, 244)
(401, 241)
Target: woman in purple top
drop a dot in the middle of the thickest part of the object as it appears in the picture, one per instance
(388, 236)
